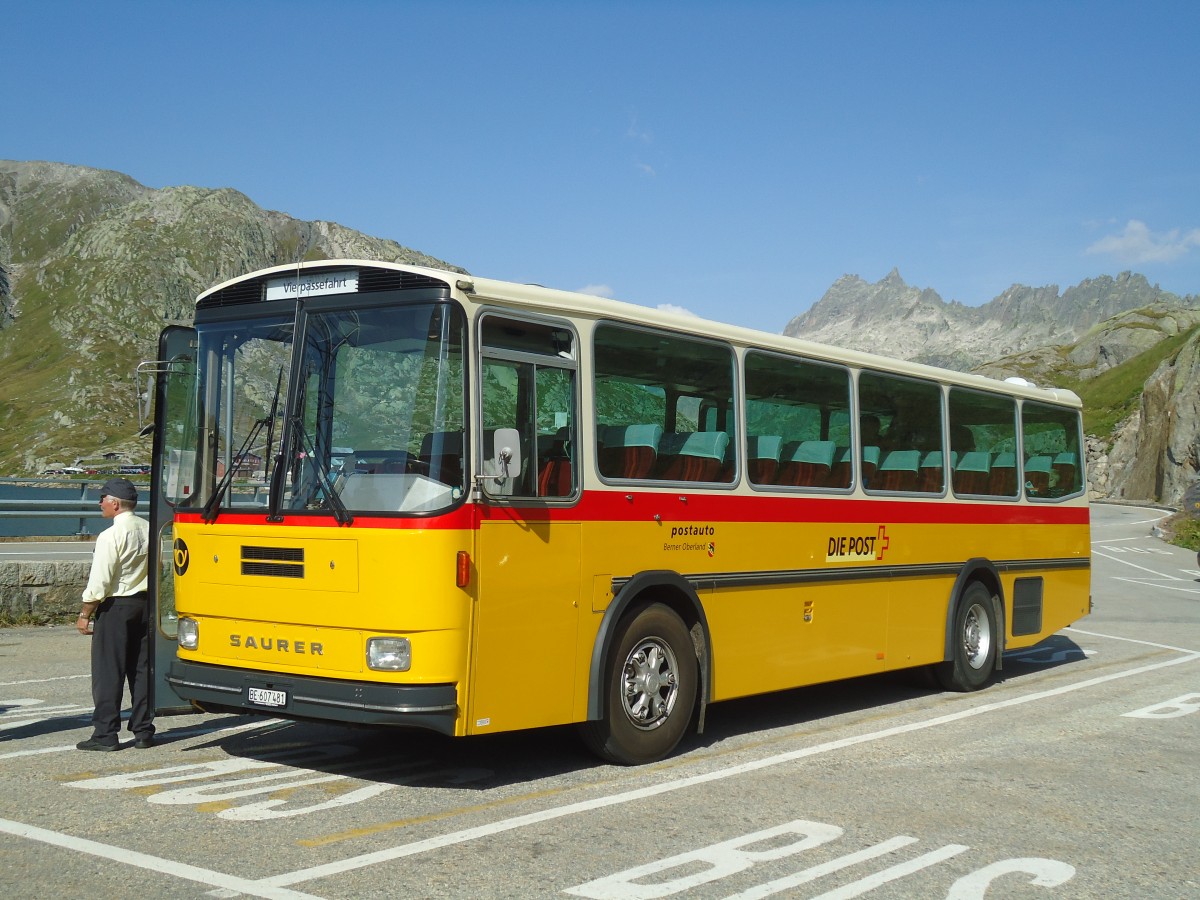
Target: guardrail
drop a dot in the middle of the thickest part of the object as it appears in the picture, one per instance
(55, 507)
(65, 507)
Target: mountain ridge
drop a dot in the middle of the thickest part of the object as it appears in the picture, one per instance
(917, 324)
(93, 264)
(97, 263)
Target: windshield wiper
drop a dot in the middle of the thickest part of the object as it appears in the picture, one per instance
(213, 505)
(335, 502)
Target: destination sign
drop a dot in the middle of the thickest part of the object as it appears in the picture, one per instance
(293, 287)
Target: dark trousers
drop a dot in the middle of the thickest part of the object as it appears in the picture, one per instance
(120, 654)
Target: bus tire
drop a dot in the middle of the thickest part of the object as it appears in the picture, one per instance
(974, 642)
(651, 687)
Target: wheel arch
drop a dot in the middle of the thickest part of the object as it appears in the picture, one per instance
(655, 586)
(986, 573)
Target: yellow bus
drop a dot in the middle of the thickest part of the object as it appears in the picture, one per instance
(400, 496)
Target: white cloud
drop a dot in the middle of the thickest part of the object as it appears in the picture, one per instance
(639, 135)
(596, 290)
(1138, 244)
(677, 310)
(635, 132)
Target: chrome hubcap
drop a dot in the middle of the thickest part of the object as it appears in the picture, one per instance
(650, 684)
(977, 637)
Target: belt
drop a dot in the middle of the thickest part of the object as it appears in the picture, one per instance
(140, 595)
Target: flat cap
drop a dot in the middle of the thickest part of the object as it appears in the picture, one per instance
(121, 488)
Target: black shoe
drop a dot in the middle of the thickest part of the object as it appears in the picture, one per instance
(93, 744)
(144, 743)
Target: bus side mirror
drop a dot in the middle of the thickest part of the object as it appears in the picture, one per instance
(503, 467)
(506, 453)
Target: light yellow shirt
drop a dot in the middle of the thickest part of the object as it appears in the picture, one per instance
(119, 560)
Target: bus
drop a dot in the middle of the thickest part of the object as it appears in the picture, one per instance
(477, 506)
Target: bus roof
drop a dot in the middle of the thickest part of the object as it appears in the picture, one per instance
(551, 301)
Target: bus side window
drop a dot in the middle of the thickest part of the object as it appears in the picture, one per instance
(555, 443)
(664, 406)
(912, 409)
(797, 422)
(630, 451)
(1050, 452)
(528, 389)
(983, 434)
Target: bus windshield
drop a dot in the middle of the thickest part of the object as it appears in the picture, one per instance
(373, 422)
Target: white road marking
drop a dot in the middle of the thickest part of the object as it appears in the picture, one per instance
(820, 871)
(547, 815)
(152, 863)
(182, 733)
(1133, 565)
(1121, 523)
(1151, 582)
(43, 680)
(1113, 637)
(874, 880)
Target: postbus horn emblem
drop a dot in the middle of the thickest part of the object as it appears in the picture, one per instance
(180, 553)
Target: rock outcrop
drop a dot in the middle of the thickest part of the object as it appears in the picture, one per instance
(1155, 452)
(96, 265)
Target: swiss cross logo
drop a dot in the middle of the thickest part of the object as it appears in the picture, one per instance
(882, 542)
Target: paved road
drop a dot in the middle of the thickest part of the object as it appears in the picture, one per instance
(1073, 776)
(46, 551)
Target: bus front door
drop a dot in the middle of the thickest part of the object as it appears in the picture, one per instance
(527, 603)
(173, 375)
(526, 620)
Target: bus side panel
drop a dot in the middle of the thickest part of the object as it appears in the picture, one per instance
(829, 617)
(920, 604)
(774, 638)
(1064, 599)
(764, 637)
(526, 623)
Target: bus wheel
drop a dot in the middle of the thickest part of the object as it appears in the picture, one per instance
(651, 689)
(975, 642)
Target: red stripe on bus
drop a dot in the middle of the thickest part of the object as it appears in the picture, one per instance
(681, 506)
(610, 506)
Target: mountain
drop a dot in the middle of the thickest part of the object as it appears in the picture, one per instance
(96, 264)
(917, 324)
(1129, 349)
(93, 264)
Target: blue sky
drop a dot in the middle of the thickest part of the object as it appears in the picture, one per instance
(732, 159)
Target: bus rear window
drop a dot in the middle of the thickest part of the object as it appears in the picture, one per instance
(1052, 464)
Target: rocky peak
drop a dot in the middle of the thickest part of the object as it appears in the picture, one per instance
(897, 319)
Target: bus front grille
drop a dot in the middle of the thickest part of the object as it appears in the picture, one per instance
(273, 562)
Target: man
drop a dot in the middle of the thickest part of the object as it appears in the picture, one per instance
(117, 599)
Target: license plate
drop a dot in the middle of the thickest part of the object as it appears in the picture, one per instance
(263, 697)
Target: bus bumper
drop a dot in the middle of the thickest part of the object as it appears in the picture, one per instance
(430, 706)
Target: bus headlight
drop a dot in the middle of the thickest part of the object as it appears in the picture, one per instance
(189, 633)
(389, 654)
